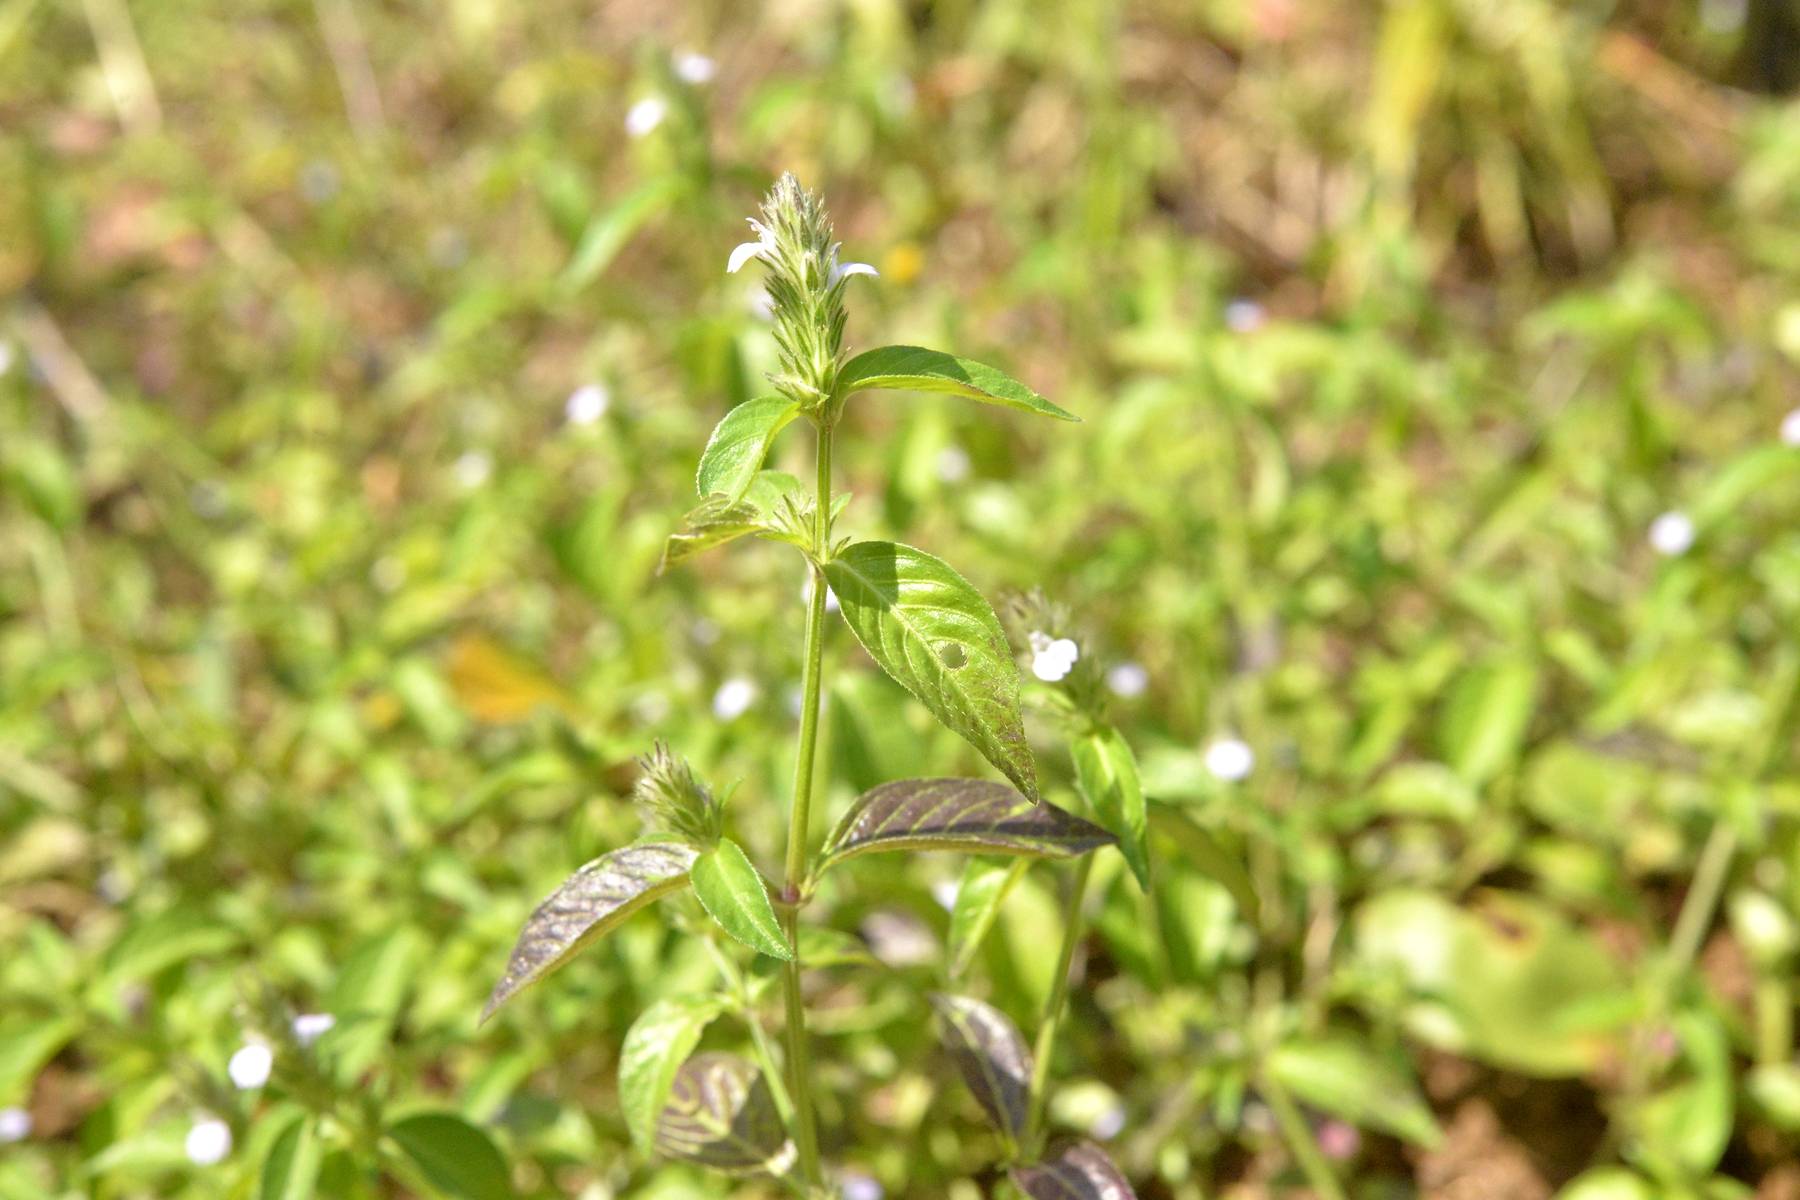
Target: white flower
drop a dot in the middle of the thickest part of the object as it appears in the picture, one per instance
(944, 892)
(1052, 661)
(1230, 759)
(644, 116)
(1672, 534)
(763, 247)
(250, 1066)
(1244, 316)
(587, 404)
(473, 468)
(858, 1186)
(15, 1125)
(953, 464)
(310, 1027)
(1790, 428)
(208, 1142)
(845, 270)
(1108, 1122)
(692, 67)
(1128, 679)
(733, 699)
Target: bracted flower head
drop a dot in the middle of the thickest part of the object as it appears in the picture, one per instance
(673, 800)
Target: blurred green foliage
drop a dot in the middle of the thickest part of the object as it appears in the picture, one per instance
(328, 605)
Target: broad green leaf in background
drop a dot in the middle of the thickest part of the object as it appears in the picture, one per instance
(172, 936)
(589, 903)
(940, 640)
(368, 994)
(656, 1045)
(916, 369)
(1202, 851)
(1484, 720)
(1079, 1171)
(991, 1056)
(731, 890)
(25, 1046)
(978, 816)
(739, 443)
(459, 1160)
(720, 1114)
(291, 1170)
(985, 882)
(1344, 1076)
(1106, 771)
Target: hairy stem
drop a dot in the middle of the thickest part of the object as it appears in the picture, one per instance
(1045, 1049)
(1299, 1137)
(806, 1133)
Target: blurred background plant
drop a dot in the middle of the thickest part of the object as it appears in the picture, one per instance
(1431, 534)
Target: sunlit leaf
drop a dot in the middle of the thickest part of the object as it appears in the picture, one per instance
(1079, 1171)
(1485, 718)
(978, 816)
(174, 935)
(1106, 771)
(916, 369)
(991, 1056)
(936, 635)
(291, 1170)
(656, 1045)
(458, 1159)
(739, 443)
(495, 684)
(985, 883)
(720, 1114)
(1344, 1077)
(719, 520)
(731, 890)
(588, 904)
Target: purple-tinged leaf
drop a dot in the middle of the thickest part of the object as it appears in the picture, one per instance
(720, 1114)
(977, 816)
(991, 1055)
(1077, 1171)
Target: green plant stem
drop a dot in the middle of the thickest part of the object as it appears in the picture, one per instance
(759, 1038)
(1702, 901)
(1045, 1049)
(1299, 1137)
(806, 1133)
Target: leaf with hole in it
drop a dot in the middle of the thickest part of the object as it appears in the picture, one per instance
(1078, 1171)
(916, 369)
(656, 1045)
(940, 640)
(991, 1056)
(1106, 771)
(720, 1114)
(979, 895)
(977, 816)
(731, 890)
(1341, 1076)
(590, 903)
(739, 443)
(458, 1159)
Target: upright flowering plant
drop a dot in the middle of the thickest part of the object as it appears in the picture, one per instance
(934, 634)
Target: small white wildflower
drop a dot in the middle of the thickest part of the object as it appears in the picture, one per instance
(944, 892)
(1244, 316)
(473, 468)
(695, 68)
(1055, 660)
(1672, 534)
(251, 1065)
(208, 1142)
(587, 404)
(845, 270)
(1230, 759)
(1108, 1123)
(733, 699)
(1128, 679)
(6, 357)
(953, 464)
(858, 1186)
(644, 116)
(1790, 428)
(15, 1125)
(762, 248)
(310, 1027)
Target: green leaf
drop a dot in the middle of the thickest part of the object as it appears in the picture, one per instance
(372, 985)
(1484, 721)
(916, 369)
(1106, 771)
(714, 523)
(1203, 852)
(1079, 1171)
(732, 891)
(1341, 1076)
(933, 632)
(978, 816)
(658, 1042)
(25, 1046)
(739, 443)
(720, 1114)
(610, 230)
(991, 1056)
(985, 883)
(457, 1159)
(590, 903)
(165, 939)
(1683, 1129)
(291, 1171)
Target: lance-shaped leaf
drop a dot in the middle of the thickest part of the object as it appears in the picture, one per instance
(916, 369)
(732, 892)
(940, 640)
(1106, 772)
(978, 816)
(1202, 850)
(589, 903)
(714, 523)
(991, 1056)
(720, 1114)
(1077, 1171)
(982, 890)
(1344, 1077)
(739, 443)
(658, 1042)
(455, 1157)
